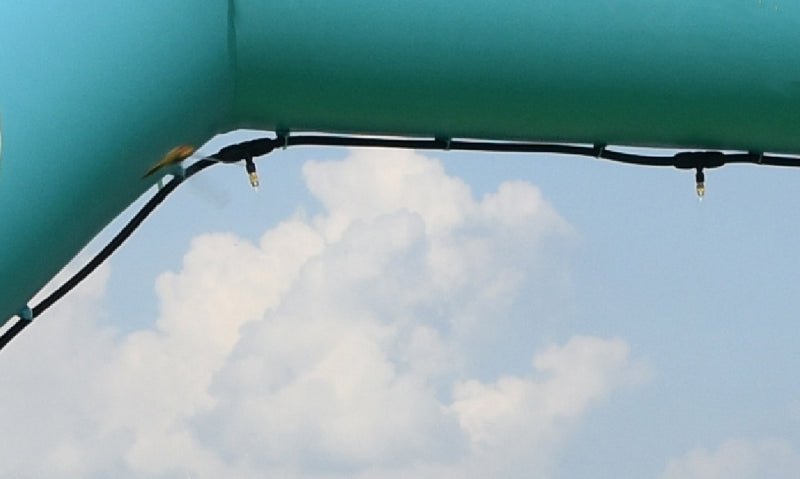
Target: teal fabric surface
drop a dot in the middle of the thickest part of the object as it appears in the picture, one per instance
(715, 74)
(92, 93)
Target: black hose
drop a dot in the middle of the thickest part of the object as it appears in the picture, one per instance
(249, 149)
(104, 254)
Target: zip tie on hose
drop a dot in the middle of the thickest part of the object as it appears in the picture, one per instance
(26, 313)
(445, 142)
(600, 149)
(247, 150)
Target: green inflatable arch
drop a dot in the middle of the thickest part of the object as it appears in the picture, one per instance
(94, 92)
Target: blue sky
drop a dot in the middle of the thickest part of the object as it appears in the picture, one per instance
(428, 314)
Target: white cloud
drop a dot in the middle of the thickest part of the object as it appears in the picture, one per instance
(49, 381)
(362, 342)
(738, 459)
(402, 181)
(580, 372)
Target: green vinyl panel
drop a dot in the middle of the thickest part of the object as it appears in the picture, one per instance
(714, 74)
(91, 94)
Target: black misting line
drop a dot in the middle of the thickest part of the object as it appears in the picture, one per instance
(28, 315)
(247, 150)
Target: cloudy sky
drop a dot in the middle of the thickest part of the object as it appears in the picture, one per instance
(378, 313)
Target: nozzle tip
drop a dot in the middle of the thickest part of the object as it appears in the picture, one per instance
(254, 180)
